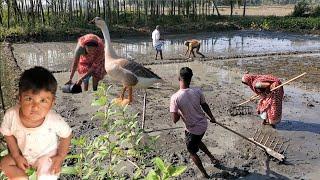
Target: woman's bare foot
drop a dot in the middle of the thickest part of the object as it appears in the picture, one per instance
(265, 122)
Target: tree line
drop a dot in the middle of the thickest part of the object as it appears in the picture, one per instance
(49, 12)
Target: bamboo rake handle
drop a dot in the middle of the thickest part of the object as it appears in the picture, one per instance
(244, 137)
(255, 97)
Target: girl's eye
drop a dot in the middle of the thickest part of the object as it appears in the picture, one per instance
(28, 98)
(43, 101)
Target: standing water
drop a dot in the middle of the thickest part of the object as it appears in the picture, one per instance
(58, 56)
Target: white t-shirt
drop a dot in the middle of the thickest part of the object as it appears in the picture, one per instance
(35, 142)
(155, 37)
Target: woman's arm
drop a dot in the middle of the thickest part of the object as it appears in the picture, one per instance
(91, 69)
(78, 52)
(262, 85)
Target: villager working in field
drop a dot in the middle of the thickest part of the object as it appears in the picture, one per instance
(193, 44)
(157, 42)
(189, 104)
(36, 136)
(88, 61)
(270, 104)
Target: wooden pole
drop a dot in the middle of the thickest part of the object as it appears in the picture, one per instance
(256, 96)
(144, 109)
(2, 99)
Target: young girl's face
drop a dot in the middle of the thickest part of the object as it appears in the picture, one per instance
(35, 106)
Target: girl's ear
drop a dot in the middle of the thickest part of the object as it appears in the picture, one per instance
(19, 98)
(54, 100)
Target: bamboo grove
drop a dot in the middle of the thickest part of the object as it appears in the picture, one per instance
(32, 13)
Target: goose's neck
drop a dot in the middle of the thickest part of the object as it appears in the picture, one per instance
(109, 51)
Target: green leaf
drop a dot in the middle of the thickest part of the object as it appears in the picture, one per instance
(100, 102)
(132, 152)
(89, 173)
(99, 115)
(33, 176)
(73, 156)
(103, 173)
(179, 170)
(137, 174)
(69, 170)
(160, 164)
(152, 175)
(30, 171)
(138, 140)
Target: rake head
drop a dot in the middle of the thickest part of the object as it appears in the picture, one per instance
(274, 146)
(239, 110)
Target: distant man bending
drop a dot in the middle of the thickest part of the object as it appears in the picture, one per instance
(189, 104)
(193, 44)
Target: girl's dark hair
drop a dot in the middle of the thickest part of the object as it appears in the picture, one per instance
(37, 79)
(186, 74)
(91, 44)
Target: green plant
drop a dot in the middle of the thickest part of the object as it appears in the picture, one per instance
(301, 9)
(316, 11)
(164, 171)
(31, 172)
(3, 152)
(265, 25)
(121, 150)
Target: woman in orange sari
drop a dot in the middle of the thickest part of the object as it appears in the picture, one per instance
(88, 61)
(270, 104)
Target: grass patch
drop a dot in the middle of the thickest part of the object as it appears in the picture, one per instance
(171, 24)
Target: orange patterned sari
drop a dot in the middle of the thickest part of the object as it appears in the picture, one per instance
(271, 103)
(95, 59)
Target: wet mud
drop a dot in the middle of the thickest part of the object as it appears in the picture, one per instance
(220, 80)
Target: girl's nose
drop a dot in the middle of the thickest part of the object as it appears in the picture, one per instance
(35, 106)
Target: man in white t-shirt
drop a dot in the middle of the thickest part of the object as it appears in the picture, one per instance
(157, 42)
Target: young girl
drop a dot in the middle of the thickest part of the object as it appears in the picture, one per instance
(36, 136)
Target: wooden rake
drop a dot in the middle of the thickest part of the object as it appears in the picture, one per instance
(256, 96)
(239, 109)
(272, 147)
(272, 144)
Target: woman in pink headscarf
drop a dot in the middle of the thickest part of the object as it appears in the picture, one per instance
(89, 61)
(270, 104)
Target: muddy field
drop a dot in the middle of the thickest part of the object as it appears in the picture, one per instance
(220, 79)
(222, 87)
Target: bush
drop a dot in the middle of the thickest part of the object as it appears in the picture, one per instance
(302, 9)
(316, 11)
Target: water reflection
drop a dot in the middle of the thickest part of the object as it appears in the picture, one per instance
(58, 56)
(204, 75)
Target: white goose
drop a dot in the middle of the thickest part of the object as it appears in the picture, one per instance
(129, 73)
